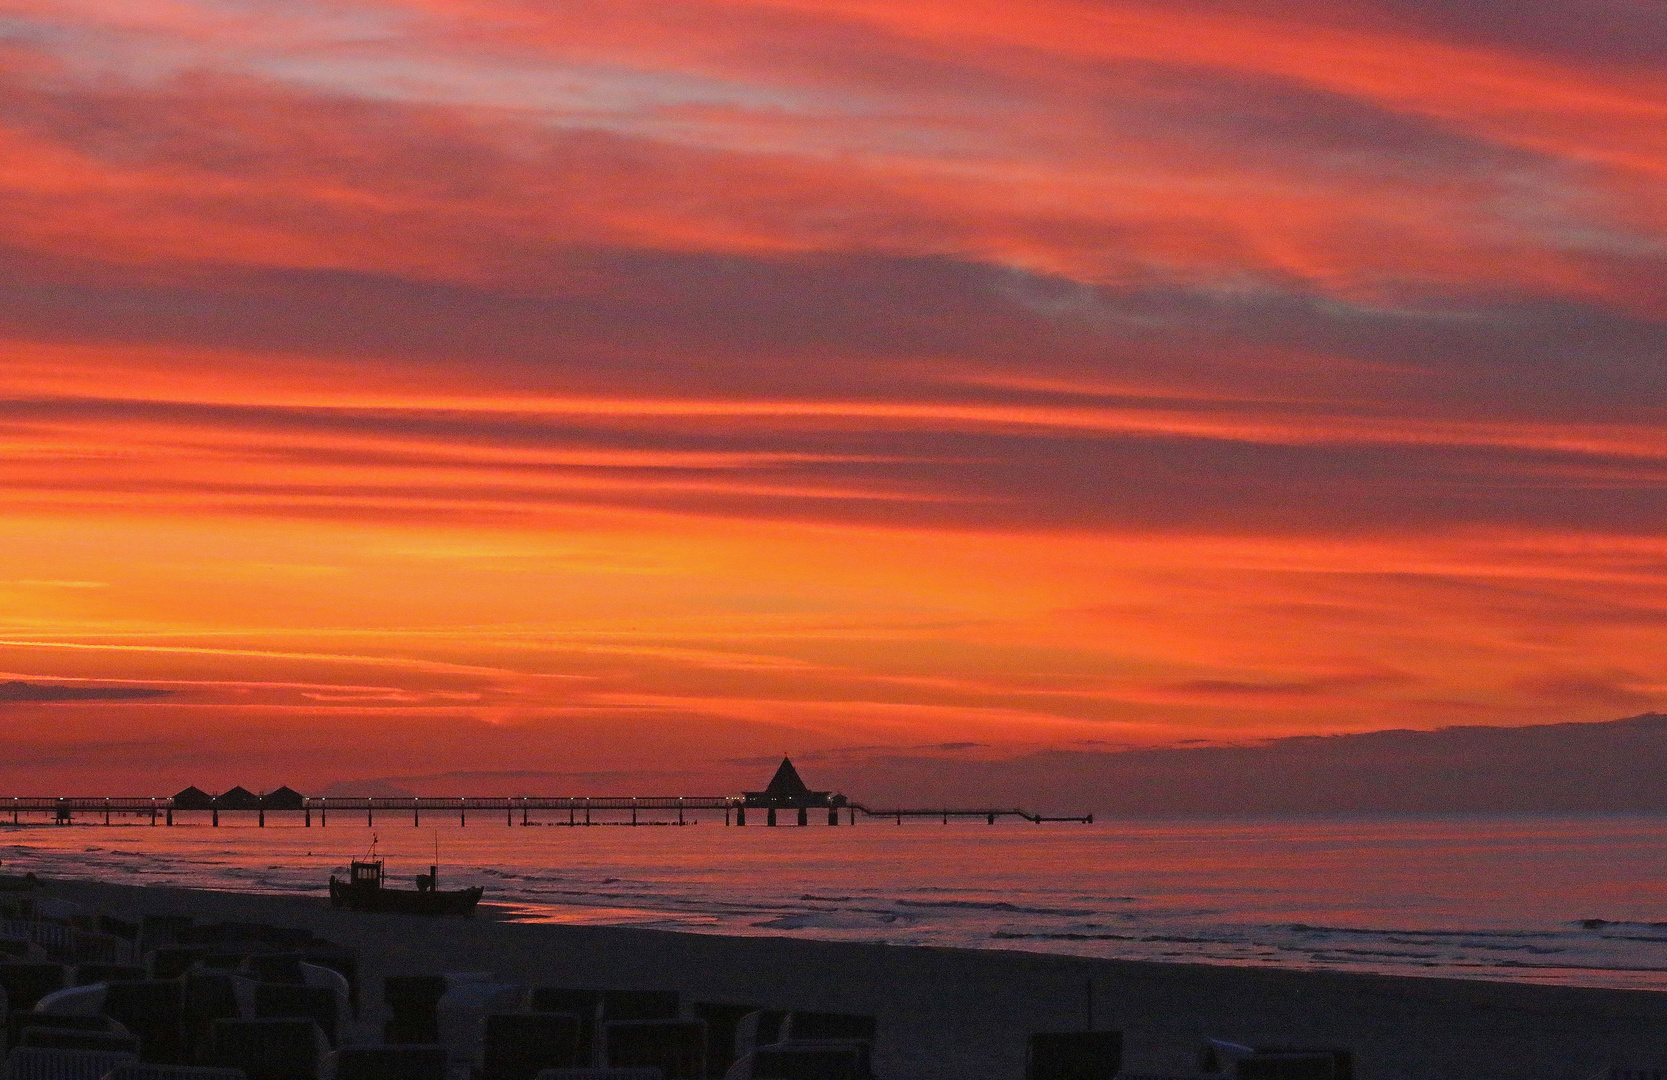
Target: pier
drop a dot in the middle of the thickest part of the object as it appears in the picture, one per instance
(785, 793)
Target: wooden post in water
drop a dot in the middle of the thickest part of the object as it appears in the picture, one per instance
(770, 817)
(462, 812)
(633, 810)
(804, 816)
(307, 809)
(833, 815)
(509, 812)
(260, 804)
(153, 813)
(214, 807)
(107, 811)
(741, 815)
(525, 802)
(170, 815)
(680, 809)
(323, 813)
(370, 818)
(416, 812)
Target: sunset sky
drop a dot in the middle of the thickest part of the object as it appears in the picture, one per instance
(638, 391)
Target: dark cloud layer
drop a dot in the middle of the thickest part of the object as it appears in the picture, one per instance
(18, 692)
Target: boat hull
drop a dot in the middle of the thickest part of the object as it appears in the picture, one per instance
(457, 903)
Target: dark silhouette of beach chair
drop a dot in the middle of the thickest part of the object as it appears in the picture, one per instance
(409, 1062)
(36, 1063)
(521, 1045)
(138, 1070)
(1286, 1067)
(154, 1010)
(1074, 1055)
(1276, 1061)
(261, 935)
(640, 1005)
(676, 1047)
(826, 1025)
(93, 947)
(88, 974)
(287, 1000)
(27, 981)
(338, 958)
(160, 931)
(57, 1038)
(270, 1049)
(585, 1003)
(275, 967)
(126, 929)
(760, 1028)
(818, 1059)
(17, 1022)
(206, 996)
(172, 961)
(721, 1019)
(414, 1001)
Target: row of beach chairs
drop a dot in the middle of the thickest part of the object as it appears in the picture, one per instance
(238, 1001)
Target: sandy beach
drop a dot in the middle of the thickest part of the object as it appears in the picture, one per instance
(960, 1014)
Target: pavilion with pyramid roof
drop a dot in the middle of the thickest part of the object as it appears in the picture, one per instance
(787, 791)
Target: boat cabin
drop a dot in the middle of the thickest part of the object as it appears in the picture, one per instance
(366, 875)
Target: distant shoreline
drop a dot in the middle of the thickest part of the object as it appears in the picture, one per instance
(962, 1014)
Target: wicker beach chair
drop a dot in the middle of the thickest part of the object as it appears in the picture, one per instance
(138, 1070)
(36, 1063)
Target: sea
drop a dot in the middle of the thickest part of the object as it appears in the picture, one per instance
(1578, 900)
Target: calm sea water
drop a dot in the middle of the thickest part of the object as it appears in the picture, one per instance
(1579, 900)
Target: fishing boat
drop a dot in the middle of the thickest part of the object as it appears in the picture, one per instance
(366, 890)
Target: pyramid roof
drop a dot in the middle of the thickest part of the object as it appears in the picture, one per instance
(284, 798)
(192, 798)
(786, 781)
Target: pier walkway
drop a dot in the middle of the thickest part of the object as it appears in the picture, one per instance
(786, 792)
(514, 810)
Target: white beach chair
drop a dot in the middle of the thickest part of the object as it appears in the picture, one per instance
(75, 1001)
(336, 982)
(462, 1013)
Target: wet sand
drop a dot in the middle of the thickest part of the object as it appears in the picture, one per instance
(961, 1014)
